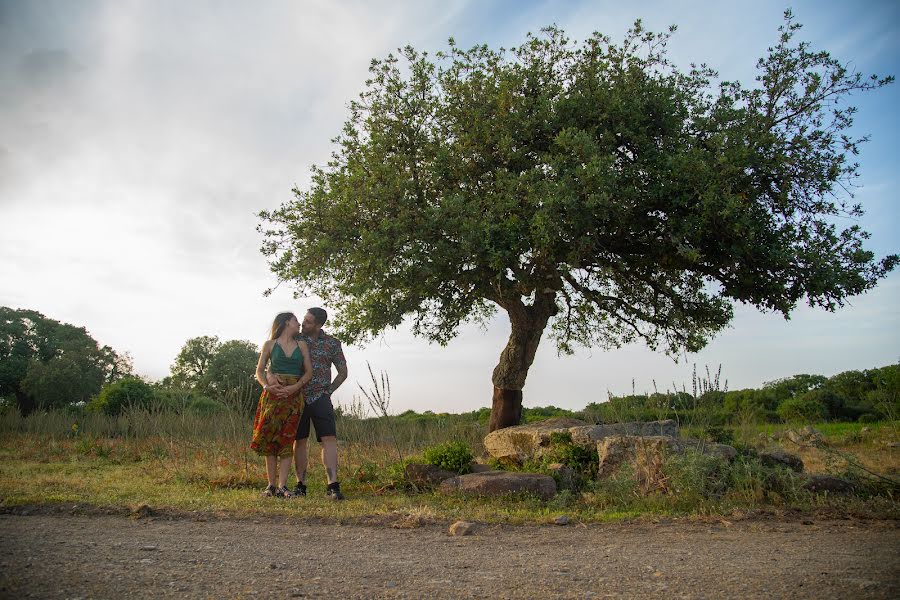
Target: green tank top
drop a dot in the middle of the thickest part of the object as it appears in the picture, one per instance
(288, 365)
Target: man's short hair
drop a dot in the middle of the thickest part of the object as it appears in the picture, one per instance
(319, 315)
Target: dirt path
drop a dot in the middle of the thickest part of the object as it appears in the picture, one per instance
(68, 556)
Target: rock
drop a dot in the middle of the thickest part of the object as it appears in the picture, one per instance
(421, 474)
(564, 476)
(808, 436)
(479, 468)
(500, 483)
(149, 548)
(619, 449)
(828, 484)
(780, 458)
(561, 520)
(462, 528)
(865, 430)
(517, 444)
(591, 434)
(522, 442)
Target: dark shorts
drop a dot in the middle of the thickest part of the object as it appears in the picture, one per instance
(321, 414)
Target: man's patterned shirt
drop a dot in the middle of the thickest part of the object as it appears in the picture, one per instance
(324, 351)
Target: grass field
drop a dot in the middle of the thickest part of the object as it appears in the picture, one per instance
(188, 462)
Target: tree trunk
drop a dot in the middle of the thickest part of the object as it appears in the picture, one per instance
(26, 403)
(528, 323)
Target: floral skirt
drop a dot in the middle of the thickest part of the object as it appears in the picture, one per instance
(276, 422)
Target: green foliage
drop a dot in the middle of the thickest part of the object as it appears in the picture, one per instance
(193, 360)
(223, 371)
(115, 397)
(593, 187)
(453, 456)
(45, 363)
(562, 450)
(804, 408)
(718, 434)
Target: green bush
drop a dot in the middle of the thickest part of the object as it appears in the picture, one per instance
(451, 456)
(868, 418)
(802, 408)
(718, 434)
(582, 459)
(115, 397)
(204, 406)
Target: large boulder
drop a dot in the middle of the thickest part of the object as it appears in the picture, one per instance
(500, 483)
(515, 445)
(591, 434)
(614, 451)
(522, 442)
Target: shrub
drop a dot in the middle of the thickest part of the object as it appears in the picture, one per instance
(718, 435)
(582, 459)
(204, 406)
(451, 456)
(802, 408)
(114, 397)
(868, 418)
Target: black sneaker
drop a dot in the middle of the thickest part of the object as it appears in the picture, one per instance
(299, 489)
(333, 491)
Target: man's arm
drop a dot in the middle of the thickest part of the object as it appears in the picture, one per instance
(340, 363)
(341, 377)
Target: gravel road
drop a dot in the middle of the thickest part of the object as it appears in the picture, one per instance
(48, 555)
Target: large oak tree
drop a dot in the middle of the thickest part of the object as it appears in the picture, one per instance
(593, 187)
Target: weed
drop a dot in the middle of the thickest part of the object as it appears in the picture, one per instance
(451, 456)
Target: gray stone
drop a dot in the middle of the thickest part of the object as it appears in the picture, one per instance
(808, 436)
(479, 468)
(591, 434)
(462, 528)
(500, 483)
(819, 484)
(564, 476)
(780, 458)
(561, 520)
(617, 450)
(420, 474)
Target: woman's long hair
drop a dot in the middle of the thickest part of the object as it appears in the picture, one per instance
(279, 323)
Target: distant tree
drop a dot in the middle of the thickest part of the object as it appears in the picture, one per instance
(232, 372)
(790, 387)
(45, 363)
(596, 189)
(217, 370)
(191, 364)
(852, 386)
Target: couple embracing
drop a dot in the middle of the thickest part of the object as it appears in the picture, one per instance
(297, 390)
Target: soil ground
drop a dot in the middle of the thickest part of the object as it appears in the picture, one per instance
(45, 554)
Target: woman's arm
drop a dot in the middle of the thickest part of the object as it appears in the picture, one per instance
(264, 355)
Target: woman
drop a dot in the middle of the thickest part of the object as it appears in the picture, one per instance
(279, 408)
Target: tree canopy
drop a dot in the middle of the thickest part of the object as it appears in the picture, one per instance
(594, 187)
(217, 369)
(45, 363)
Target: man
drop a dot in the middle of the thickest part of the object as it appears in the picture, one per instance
(324, 351)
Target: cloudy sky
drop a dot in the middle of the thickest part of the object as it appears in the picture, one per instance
(139, 139)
